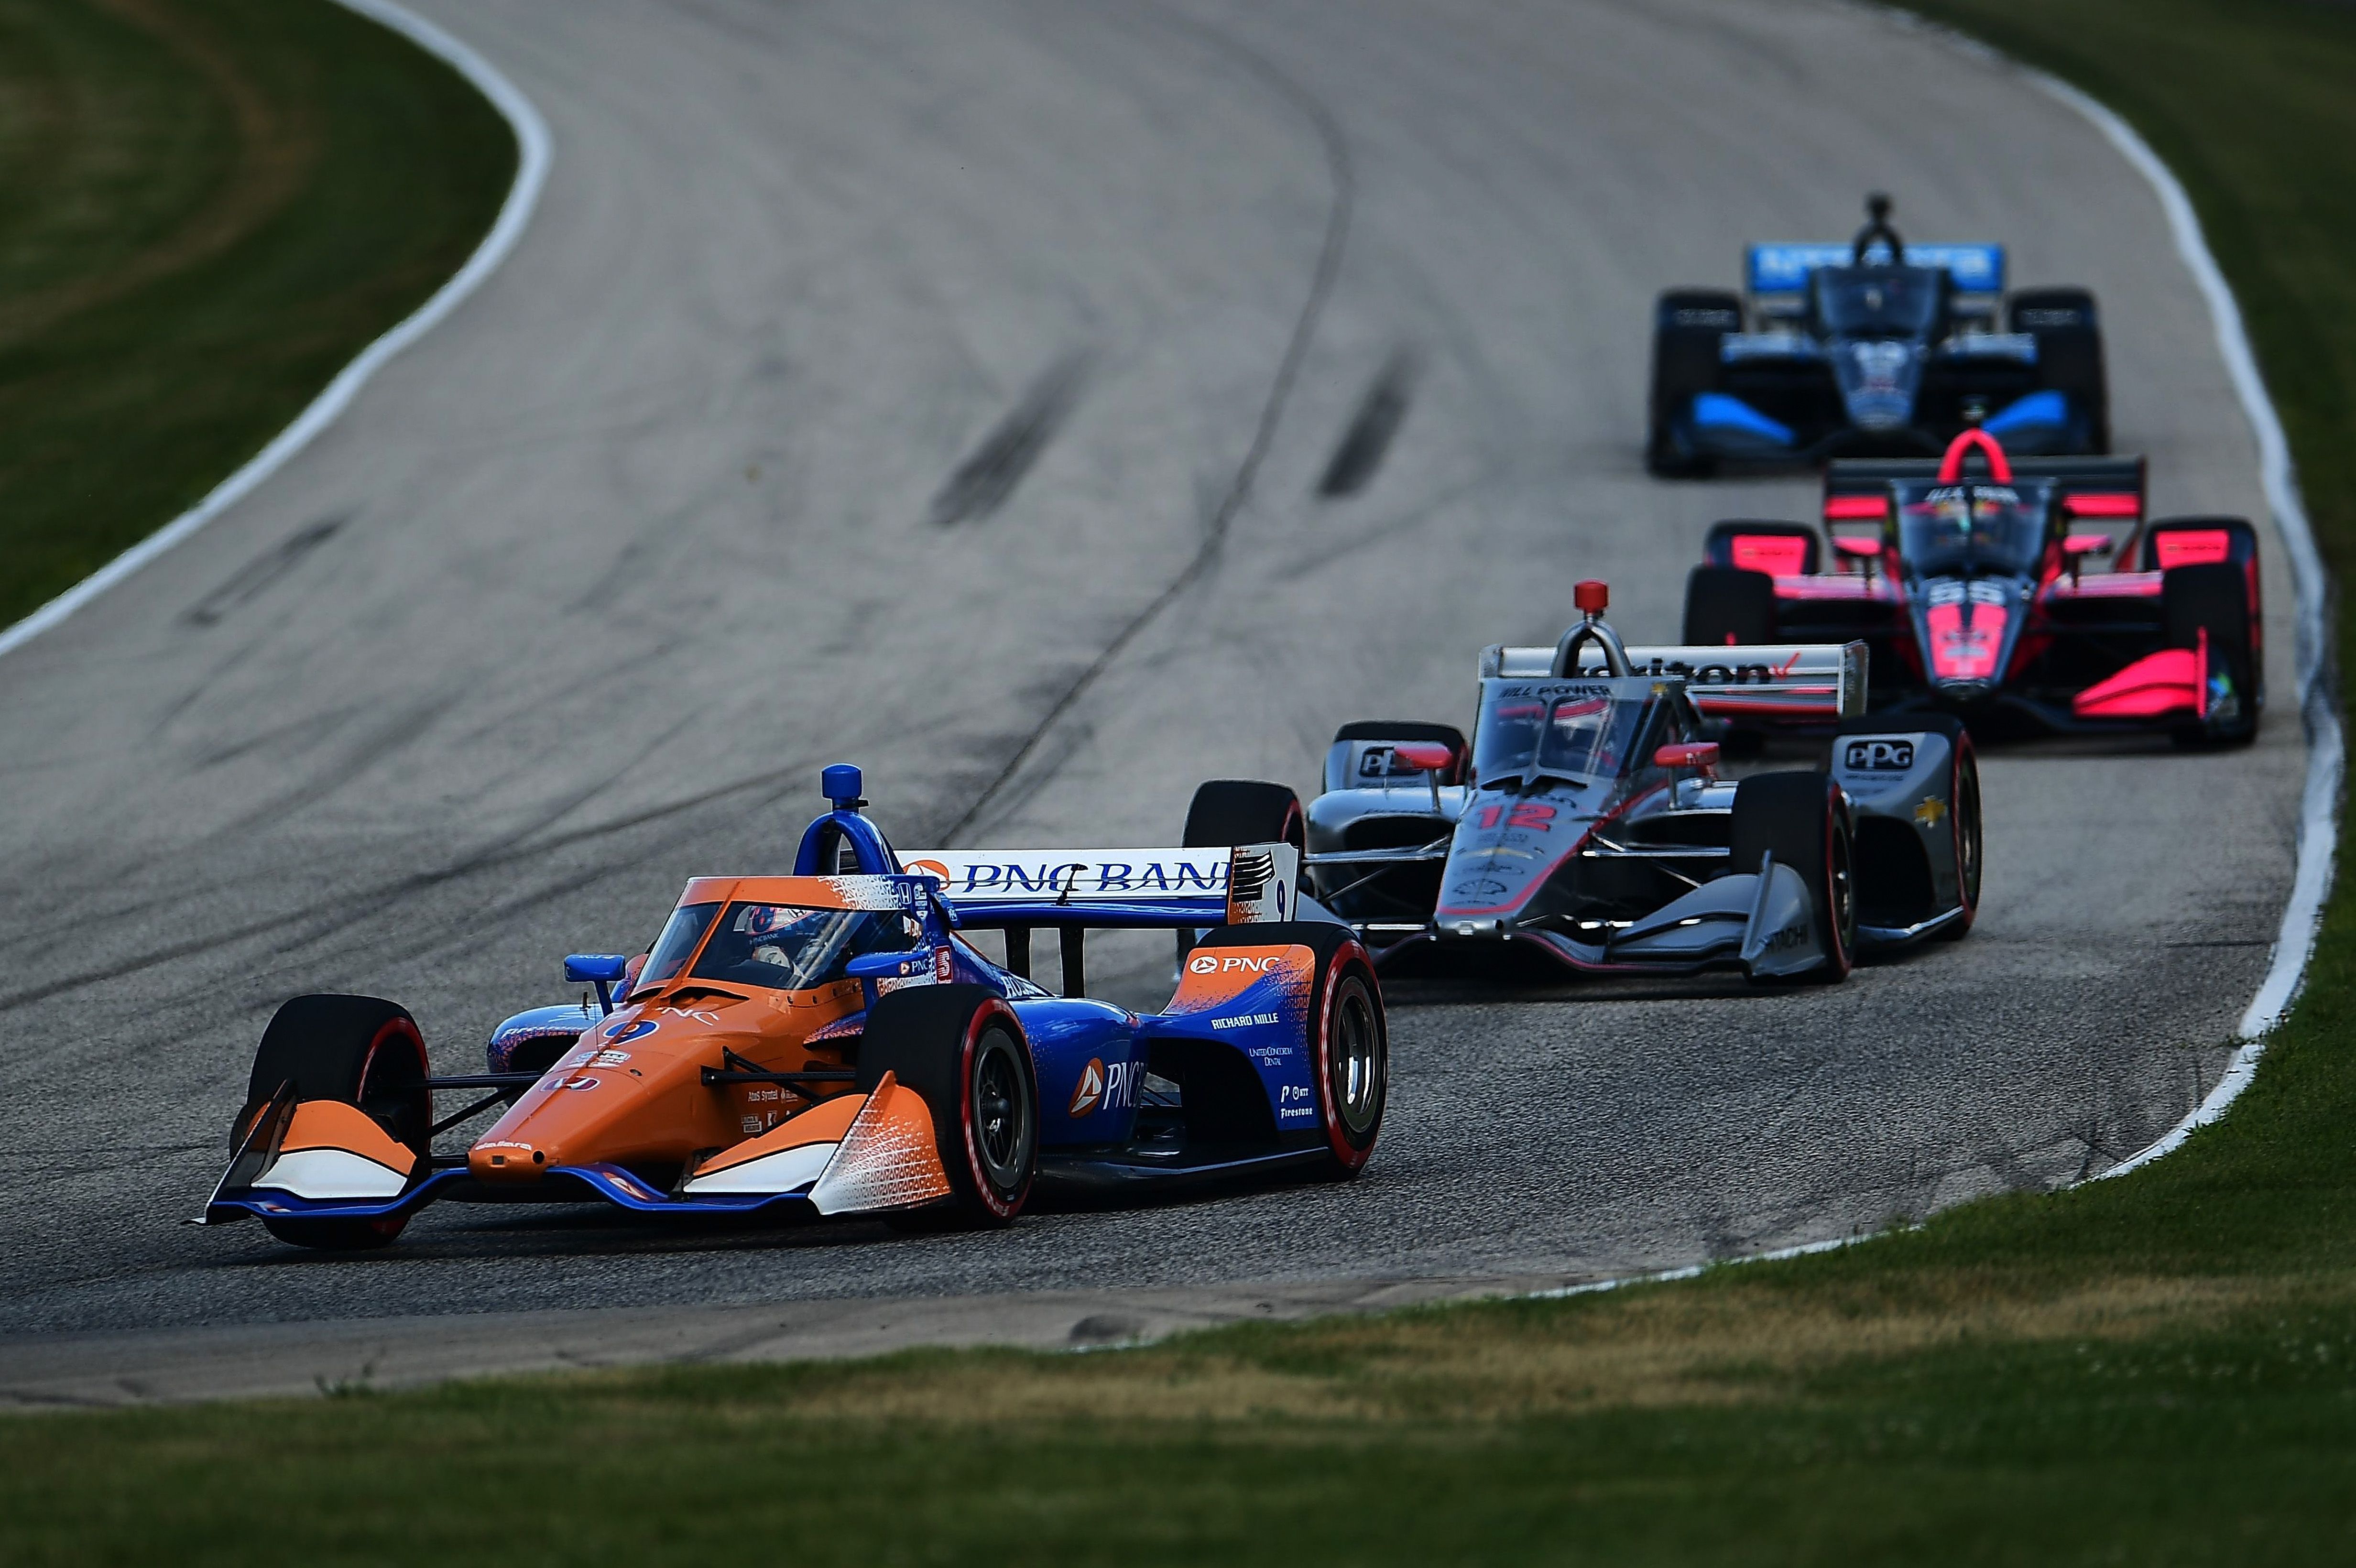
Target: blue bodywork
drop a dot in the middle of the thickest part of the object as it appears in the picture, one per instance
(1106, 1117)
(1871, 346)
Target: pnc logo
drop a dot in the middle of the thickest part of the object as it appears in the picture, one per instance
(638, 1030)
(1212, 964)
(1089, 1093)
(932, 869)
(1103, 1088)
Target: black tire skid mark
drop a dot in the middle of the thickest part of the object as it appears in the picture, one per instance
(1239, 490)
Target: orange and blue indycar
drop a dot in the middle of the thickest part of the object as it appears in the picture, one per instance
(831, 1042)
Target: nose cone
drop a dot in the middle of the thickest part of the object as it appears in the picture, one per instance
(578, 1114)
(1501, 856)
(1877, 379)
(1967, 629)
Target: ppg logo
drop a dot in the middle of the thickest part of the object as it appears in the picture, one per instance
(1879, 756)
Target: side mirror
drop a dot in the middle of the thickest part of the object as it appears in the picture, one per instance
(596, 968)
(1702, 755)
(603, 970)
(1425, 756)
(1858, 553)
(2076, 548)
(889, 966)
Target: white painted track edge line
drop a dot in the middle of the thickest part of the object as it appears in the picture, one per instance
(2318, 827)
(2319, 812)
(533, 151)
(2319, 824)
(1694, 1271)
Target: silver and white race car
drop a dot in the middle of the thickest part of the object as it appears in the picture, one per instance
(1586, 823)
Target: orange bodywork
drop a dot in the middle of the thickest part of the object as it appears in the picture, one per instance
(632, 1090)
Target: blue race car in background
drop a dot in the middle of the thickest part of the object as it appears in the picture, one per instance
(1872, 348)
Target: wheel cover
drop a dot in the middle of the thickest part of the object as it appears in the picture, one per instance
(1842, 888)
(1358, 1069)
(1000, 1113)
(1968, 828)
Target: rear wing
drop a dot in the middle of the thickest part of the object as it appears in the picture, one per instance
(1809, 683)
(2107, 489)
(1777, 274)
(1114, 888)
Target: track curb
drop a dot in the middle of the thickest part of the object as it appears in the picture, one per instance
(533, 154)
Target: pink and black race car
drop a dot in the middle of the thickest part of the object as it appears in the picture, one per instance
(2031, 592)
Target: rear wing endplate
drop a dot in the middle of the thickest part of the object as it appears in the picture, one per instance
(1800, 683)
(1114, 888)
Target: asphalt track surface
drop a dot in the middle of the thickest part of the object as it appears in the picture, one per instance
(946, 387)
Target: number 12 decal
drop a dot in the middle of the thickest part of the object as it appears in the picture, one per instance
(1528, 813)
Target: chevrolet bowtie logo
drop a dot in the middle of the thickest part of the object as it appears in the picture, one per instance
(1930, 811)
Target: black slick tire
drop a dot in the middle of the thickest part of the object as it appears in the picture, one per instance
(2213, 598)
(1228, 812)
(1727, 605)
(363, 1051)
(1802, 818)
(1687, 326)
(1964, 811)
(1348, 1038)
(2069, 333)
(962, 1049)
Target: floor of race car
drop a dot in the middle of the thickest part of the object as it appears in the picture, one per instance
(668, 517)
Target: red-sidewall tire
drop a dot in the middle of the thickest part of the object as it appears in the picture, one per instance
(1350, 1123)
(963, 1051)
(364, 1052)
(1964, 810)
(1840, 880)
(1229, 812)
(995, 1188)
(1352, 1057)
(1802, 818)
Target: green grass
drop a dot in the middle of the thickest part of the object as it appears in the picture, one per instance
(2157, 1369)
(212, 205)
(1664, 1427)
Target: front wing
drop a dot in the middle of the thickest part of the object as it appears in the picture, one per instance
(325, 1160)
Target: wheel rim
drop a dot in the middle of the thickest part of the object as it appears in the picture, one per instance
(1844, 897)
(1967, 827)
(1002, 1114)
(1356, 1060)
